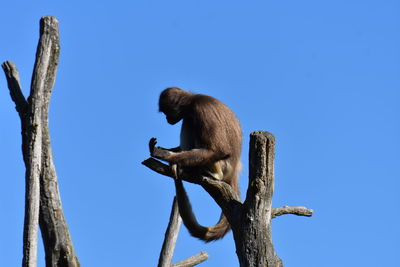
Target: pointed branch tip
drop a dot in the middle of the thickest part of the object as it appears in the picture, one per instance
(192, 261)
(14, 86)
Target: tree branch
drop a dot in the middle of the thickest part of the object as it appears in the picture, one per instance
(14, 86)
(32, 154)
(192, 261)
(47, 53)
(220, 191)
(30, 114)
(171, 235)
(159, 167)
(295, 210)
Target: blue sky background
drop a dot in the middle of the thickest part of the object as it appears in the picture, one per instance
(322, 76)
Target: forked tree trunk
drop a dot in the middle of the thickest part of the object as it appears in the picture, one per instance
(40, 171)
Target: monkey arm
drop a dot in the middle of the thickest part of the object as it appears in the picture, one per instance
(174, 149)
(190, 158)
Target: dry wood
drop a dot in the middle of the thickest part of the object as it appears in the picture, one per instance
(295, 210)
(38, 156)
(253, 238)
(192, 261)
(32, 148)
(171, 235)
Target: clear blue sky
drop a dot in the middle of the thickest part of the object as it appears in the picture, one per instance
(322, 76)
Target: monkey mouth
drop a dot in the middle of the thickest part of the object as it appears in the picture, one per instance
(172, 121)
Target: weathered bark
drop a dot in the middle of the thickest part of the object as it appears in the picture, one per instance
(250, 221)
(296, 210)
(36, 145)
(192, 261)
(253, 238)
(30, 115)
(171, 235)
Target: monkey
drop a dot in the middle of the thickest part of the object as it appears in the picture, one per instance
(210, 145)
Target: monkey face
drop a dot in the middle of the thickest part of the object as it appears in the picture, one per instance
(173, 119)
(171, 114)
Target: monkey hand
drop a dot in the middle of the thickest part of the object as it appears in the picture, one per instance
(152, 144)
(156, 151)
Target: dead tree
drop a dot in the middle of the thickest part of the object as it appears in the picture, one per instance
(42, 200)
(251, 220)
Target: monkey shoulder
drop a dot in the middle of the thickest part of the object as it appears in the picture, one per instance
(208, 105)
(199, 100)
(215, 125)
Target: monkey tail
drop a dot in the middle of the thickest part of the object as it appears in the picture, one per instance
(206, 234)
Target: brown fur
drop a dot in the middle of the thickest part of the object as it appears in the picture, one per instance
(211, 141)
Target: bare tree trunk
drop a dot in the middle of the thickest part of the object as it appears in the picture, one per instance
(32, 147)
(30, 114)
(250, 221)
(37, 152)
(253, 238)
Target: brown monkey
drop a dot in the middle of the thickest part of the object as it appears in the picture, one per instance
(210, 145)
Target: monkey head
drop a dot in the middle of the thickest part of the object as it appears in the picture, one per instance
(173, 103)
